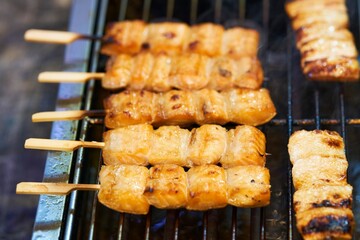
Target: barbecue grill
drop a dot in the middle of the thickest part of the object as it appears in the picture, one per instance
(300, 104)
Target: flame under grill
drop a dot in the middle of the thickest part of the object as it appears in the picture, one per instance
(300, 104)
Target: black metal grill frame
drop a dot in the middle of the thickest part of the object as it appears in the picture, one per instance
(81, 216)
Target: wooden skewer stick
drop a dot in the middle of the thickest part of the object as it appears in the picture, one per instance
(60, 145)
(58, 37)
(52, 188)
(68, 77)
(66, 115)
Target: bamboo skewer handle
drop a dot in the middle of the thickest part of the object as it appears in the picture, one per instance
(49, 36)
(68, 77)
(66, 115)
(52, 188)
(59, 145)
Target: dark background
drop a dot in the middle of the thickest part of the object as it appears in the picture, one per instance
(21, 96)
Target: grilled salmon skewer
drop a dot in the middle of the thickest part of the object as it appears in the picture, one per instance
(241, 106)
(142, 145)
(176, 107)
(177, 38)
(132, 189)
(134, 36)
(327, 48)
(323, 198)
(161, 73)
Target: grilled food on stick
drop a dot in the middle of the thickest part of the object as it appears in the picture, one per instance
(322, 198)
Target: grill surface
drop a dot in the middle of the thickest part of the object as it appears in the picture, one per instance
(300, 104)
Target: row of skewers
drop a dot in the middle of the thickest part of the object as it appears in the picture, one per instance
(211, 82)
(152, 59)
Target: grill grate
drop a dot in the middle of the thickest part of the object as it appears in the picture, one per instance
(306, 105)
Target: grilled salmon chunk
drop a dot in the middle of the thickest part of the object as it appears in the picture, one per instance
(122, 188)
(246, 146)
(317, 171)
(305, 144)
(207, 188)
(248, 186)
(208, 144)
(241, 106)
(169, 143)
(167, 186)
(129, 145)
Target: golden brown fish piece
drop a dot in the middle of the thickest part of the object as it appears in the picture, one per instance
(332, 69)
(294, 8)
(325, 223)
(167, 186)
(169, 143)
(246, 146)
(122, 188)
(205, 39)
(125, 36)
(327, 48)
(161, 73)
(128, 145)
(323, 196)
(318, 171)
(207, 188)
(305, 144)
(208, 144)
(130, 37)
(321, 31)
(239, 42)
(241, 106)
(166, 37)
(248, 186)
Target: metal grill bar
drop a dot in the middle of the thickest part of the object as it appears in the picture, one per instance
(170, 9)
(193, 11)
(290, 218)
(146, 10)
(217, 10)
(342, 111)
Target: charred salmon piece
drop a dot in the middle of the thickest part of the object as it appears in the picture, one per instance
(325, 223)
(340, 69)
(323, 196)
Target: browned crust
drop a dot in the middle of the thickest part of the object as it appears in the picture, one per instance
(340, 69)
